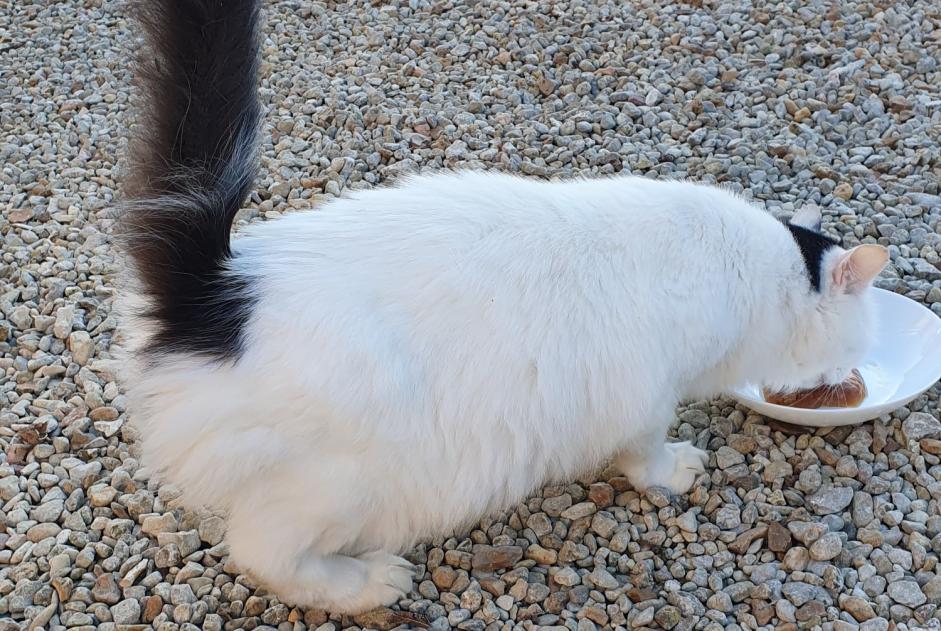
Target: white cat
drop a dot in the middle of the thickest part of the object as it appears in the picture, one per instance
(395, 365)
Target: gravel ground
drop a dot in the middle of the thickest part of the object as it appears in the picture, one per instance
(788, 102)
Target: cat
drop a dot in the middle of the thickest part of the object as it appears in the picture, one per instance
(393, 366)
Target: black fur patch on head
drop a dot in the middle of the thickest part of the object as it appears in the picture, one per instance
(813, 245)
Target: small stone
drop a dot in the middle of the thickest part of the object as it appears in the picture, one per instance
(799, 593)
(64, 321)
(603, 579)
(603, 524)
(779, 537)
(763, 612)
(657, 496)
(101, 495)
(602, 494)
(876, 624)
(456, 150)
(553, 506)
(668, 617)
(687, 521)
(104, 413)
(844, 191)
(744, 540)
(153, 605)
(106, 589)
(809, 611)
(858, 608)
(443, 577)
(126, 612)
(931, 445)
(920, 425)
(567, 577)
(862, 509)
(211, 530)
(720, 601)
(785, 610)
(932, 589)
(254, 606)
(541, 555)
(727, 457)
(728, 517)
(906, 592)
(43, 530)
(182, 595)
(168, 556)
(82, 347)
(491, 558)
(826, 547)
(578, 511)
(154, 525)
(60, 565)
(187, 542)
(831, 500)
(383, 619)
(642, 617)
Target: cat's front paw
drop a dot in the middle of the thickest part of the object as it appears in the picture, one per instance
(389, 579)
(688, 463)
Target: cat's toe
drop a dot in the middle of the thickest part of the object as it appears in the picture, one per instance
(390, 578)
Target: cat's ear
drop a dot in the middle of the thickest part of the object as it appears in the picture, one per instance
(856, 268)
(807, 217)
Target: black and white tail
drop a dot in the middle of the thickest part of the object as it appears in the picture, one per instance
(193, 162)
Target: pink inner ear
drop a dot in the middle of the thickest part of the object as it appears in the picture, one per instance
(840, 270)
(858, 267)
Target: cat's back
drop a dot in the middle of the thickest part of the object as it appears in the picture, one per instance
(447, 213)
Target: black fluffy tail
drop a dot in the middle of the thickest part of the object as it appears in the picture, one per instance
(193, 163)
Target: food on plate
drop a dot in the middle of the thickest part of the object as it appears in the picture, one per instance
(848, 394)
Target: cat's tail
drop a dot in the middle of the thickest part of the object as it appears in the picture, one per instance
(193, 162)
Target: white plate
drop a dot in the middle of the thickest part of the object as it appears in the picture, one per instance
(904, 362)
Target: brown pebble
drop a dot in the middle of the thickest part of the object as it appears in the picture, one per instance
(620, 484)
(602, 494)
(153, 605)
(443, 577)
(385, 619)
(106, 590)
(809, 611)
(492, 584)
(802, 114)
(763, 612)
(931, 446)
(779, 537)
(744, 540)
(843, 190)
(858, 608)
(490, 558)
(640, 594)
(104, 414)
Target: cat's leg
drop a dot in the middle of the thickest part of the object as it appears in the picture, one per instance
(282, 553)
(651, 461)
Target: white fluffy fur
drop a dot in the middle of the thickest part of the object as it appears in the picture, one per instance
(424, 354)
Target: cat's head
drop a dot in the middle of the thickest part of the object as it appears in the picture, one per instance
(834, 323)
